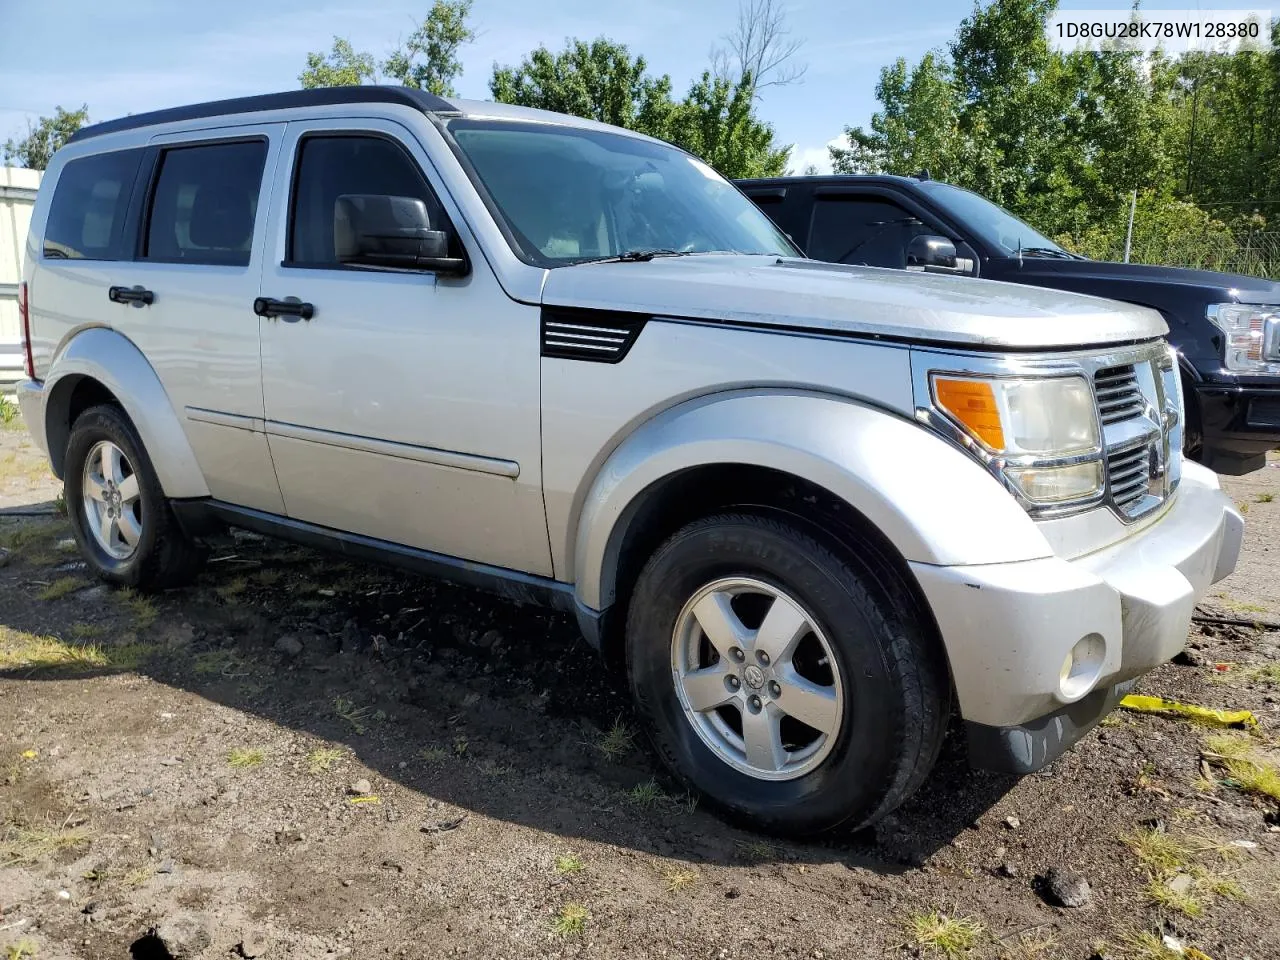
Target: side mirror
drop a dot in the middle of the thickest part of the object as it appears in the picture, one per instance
(932, 255)
(383, 231)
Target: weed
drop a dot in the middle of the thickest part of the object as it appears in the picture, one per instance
(571, 920)
(224, 663)
(645, 795)
(25, 846)
(1186, 902)
(939, 933)
(433, 755)
(679, 879)
(60, 588)
(21, 649)
(244, 757)
(60, 503)
(232, 589)
(1264, 498)
(142, 608)
(757, 850)
(1160, 852)
(8, 411)
(460, 745)
(1218, 884)
(322, 759)
(1242, 506)
(1148, 946)
(1268, 673)
(268, 576)
(616, 742)
(356, 716)
(139, 876)
(22, 950)
(1254, 776)
(86, 631)
(569, 864)
(130, 656)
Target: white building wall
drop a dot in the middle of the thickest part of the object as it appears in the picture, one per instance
(17, 196)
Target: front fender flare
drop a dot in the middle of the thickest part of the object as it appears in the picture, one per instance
(929, 499)
(113, 360)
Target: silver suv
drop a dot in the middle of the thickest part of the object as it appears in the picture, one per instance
(811, 509)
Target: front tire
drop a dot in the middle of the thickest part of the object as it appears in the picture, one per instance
(120, 517)
(792, 686)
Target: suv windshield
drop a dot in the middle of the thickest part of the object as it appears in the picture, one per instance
(996, 225)
(568, 195)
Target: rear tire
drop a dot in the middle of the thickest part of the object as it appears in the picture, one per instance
(868, 679)
(119, 514)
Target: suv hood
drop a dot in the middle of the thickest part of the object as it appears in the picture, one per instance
(838, 299)
(1226, 287)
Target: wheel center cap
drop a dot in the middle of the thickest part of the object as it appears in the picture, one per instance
(753, 677)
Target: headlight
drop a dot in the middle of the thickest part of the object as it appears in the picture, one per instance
(1252, 334)
(1044, 429)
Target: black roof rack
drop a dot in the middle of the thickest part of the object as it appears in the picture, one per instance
(319, 97)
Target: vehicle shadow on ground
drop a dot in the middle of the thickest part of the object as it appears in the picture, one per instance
(493, 708)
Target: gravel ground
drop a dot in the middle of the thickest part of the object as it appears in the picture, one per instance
(303, 758)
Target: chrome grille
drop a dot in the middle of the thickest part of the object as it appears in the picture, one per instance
(1128, 475)
(1119, 393)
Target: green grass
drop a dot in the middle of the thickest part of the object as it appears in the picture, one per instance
(268, 576)
(1158, 851)
(571, 920)
(434, 754)
(140, 607)
(940, 934)
(322, 759)
(22, 950)
(232, 589)
(1268, 673)
(645, 795)
(1246, 769)
(223, 663)
(21, 649)
(1148, 946)
(132, 655)
(1264, 498)
(243, 758)
(616, 742)
(86, 631)
(9, 415)
(1185, 902)
(23, 846)
(354, 715)
(60, 588)
(569, 864)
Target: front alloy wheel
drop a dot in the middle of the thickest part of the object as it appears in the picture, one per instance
(757, 678)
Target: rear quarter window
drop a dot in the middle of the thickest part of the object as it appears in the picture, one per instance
(87, 213)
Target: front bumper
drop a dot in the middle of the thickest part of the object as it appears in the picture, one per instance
(1239, 423)
(1010, 628)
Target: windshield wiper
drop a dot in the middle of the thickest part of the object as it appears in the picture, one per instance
(1048, 252)
(637, 256)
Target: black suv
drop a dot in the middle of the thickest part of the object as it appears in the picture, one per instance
(1226, 327)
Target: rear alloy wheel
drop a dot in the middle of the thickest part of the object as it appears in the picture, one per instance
(790, 682)
(120, 516)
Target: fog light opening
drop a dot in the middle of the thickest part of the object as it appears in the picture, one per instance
(1082, 667)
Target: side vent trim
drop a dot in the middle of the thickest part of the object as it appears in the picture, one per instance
(598, 336)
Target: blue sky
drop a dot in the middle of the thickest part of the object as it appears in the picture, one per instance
(126, 56)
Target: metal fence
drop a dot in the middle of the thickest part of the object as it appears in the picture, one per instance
(1253, 254)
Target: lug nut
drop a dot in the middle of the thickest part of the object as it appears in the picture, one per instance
(755, 703)
(762, 657)
(734, 682)
(737, 654)
(775, 690)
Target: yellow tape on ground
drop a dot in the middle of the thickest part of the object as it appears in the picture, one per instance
(1219, 718)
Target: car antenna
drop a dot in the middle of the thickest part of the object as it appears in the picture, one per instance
(923, 175)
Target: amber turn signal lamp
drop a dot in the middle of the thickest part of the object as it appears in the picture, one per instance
(973, 404)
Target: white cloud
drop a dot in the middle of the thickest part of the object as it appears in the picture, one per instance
(819, 157)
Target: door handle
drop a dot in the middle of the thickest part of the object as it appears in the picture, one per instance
(138, 296)
(290, 308)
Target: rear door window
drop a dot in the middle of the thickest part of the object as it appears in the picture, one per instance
(87, 214)
(869, 230)
(205, 203)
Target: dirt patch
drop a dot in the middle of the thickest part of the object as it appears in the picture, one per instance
(306, 758)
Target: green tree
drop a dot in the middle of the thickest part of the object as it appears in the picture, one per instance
(428, 60)
(43, 139)
(717, 122)
(599, 80)
(343, 66)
